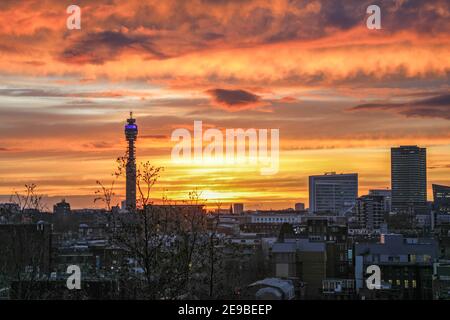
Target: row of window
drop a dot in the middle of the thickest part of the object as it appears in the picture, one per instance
(406, 283)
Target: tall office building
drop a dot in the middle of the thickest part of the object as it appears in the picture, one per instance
(409, 179)
(131, 132)
(331, 192)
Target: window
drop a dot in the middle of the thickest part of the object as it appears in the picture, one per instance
(414, 284)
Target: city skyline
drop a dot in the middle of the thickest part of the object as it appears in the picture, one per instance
(341, 95)
(120, 195)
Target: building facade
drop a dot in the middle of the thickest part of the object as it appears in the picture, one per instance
(406, 264)
(331, 192)
(370, 212)
(408, 179)
(441, 199)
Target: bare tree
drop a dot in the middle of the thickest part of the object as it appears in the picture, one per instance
(105, 194)
(195, 197)
(29, 199)
(146, 177)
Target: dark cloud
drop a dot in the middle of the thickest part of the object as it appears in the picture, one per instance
(251, 23)
(234, 99)
(211, 36)
(96, 48)
(342, 14)
(434, 107)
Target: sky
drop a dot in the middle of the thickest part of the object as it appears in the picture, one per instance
(340, 94)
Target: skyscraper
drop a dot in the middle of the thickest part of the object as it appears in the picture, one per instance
(131, 132)
(409, 179)
(333, 192)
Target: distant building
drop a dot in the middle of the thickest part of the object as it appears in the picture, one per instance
(61, 208)
(335, 237)
(370, 211)
(299, 206)
(331, 192)
(387, 194)
(301, 259)
(238, 208)
(409, 179)
(441, 199)
(405, 263)
(275, 218)
(9, 208)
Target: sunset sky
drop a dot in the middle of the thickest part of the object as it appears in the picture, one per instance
(340, 94)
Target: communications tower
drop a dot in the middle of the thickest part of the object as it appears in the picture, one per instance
(131, 131)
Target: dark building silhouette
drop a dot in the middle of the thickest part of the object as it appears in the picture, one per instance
(409, 179)
(441, 199)
(386, 194)
(61, 208)
(406, 264)
(131, 131)
(25, 250)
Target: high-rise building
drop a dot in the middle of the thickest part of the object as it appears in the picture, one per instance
(331, 192)
(441, 199)
(370, 211)
(409, 179)
(299, 206)
(131, 131)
